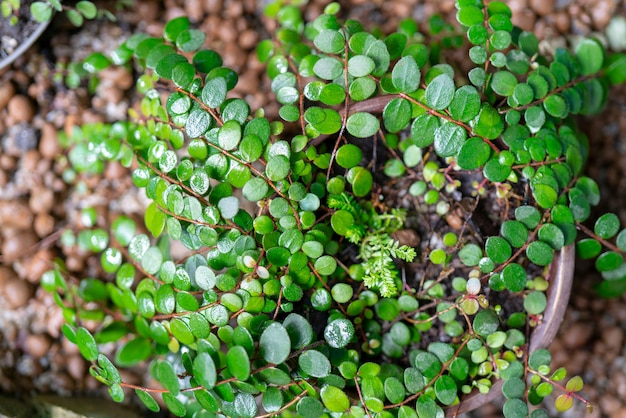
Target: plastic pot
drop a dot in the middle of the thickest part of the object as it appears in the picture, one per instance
(23, 47)
(560, 277)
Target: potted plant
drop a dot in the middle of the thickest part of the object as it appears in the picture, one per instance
(24, 23)
(394, 243)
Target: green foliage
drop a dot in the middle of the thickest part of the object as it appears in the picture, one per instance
(42, 11)
(299, 288)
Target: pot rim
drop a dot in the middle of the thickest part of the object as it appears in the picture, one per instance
(6, 61)
(561, 275)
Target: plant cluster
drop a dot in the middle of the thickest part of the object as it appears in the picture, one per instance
(298, 289)
(42, 11)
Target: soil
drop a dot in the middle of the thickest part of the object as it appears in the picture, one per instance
(12, 36)
(36, 204)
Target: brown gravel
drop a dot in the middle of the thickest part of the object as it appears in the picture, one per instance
(35, 204)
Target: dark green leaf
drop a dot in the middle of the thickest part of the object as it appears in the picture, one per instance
(86, 344)
(362, 124)
(540, 253)
(474, 153)
(314, 363)
(204, 370)
(440, 92)
(590, 56)
(514, 277)
(167, 376)
(445, 390)
(489, 123)
(503, 83)
(449, 138)
(607, 226)
(406, 75)
(465, 104)
(397, 115)
(275, 344)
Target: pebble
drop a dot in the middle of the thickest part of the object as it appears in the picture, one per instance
(15, 214)
(542, 7)
(577, 335)
(49, 147)
(29, 160)
(17, 244)
(41, 200)
(118, 76)
(38, 265)
(17, 292)
(20, 109)
(37, 345)
(194, 10)
(75, 366)
(609, 404)
(248, 39)
(613, 337)
(21, 137)
(616, 33)
(6, 92)
(602, 12)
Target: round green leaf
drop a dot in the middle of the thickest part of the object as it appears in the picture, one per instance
(214, 92)
(133, 352)
(440, 92)
(334, 399)
(449, 138)
(445, 390)
(556, 106)
(329, 41)
(609, 261)
(348, 155)
(299, 329)
(590, 56)
(275, 344)
(360, 66)
(204, 370)
(498, 249)
(198, 122)
(535, 303)
(332, 94)
(238, 362)
(361, 181)
(328, 68)
(514, 277)
(309, 407)
(423, 129)
(486, 322)
(489, 123)
(362, 124)
(86, 344)
(540, 253)
(339, 333)
(255, 189)
(474, 153)
(272, 399)
(397, 115)
(545, 195)
(469, 15)
(314, 363)
(552, 235)
(167, 376)
(503, 83)
(607, 226)
(406, 75)
(465, 104)
(147, 400)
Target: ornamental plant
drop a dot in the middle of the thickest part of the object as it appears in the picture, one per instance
(378, 248)
(42, 11)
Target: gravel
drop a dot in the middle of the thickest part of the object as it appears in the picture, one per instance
(35, 204)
